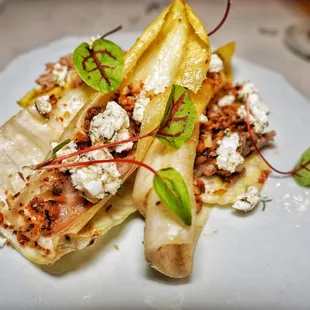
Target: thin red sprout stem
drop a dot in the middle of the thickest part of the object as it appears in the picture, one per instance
(294, 171)
(98, 147)
(103, 161)
(118, 28)
(223, 19)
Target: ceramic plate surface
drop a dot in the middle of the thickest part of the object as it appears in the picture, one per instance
(259, 260)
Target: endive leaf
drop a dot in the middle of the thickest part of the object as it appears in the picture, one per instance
(30, 97)
(226, 52)
(179, 119)
(172, 190)
(101, 66)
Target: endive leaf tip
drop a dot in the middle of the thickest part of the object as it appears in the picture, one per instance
(179, 1)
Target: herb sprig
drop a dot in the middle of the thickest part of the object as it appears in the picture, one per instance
(264, 200)
(59, 147)
(101, 65)
(168, 183)
(301, 172)
(175, 128)
(221, 23)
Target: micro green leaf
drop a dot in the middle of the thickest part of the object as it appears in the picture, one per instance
(101, 66)
(168, 183)
(59, 147)
(175, 129)
(172, 190)
(302, 174)
(179, 119)
(264, 202)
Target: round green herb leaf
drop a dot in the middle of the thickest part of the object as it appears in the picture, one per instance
(172, 190)
(102, 66)
(302, 175)
(179, 118)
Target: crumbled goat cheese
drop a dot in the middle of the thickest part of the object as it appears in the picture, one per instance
(216, 64)
(108, 125)
(121, 136)
(2, 242)
(91, 40)
(215, 108)
(226, 100)
(259, 113)
(43, 105)
(69, 148)
(247, 201)
(60, 74)
(247, 88)
(228, 158)
(141, 103)
(96, 181)
(203, 118)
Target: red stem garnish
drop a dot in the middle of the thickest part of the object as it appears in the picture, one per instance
(103, 161)
(93, 148)
(223, 19)
(291, 172)
(118, 28)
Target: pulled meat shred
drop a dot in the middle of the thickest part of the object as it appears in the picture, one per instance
(47, 81)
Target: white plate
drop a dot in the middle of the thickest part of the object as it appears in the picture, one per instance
(253, 261)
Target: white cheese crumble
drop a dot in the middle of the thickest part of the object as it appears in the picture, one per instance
(43, 105)
(203, 118)
(247, 201)
(2, 242)
(96, 181)
(226, 100)
(259, 113)
(111, 125)
(140, 104)
(259, 110)
(228, 158)
(216, 64)
(121, 136)
(91, 40)
(247, 88)
(60, 73)
(69, 148)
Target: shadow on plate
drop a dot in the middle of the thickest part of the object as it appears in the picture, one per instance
(82, 258)
(154, 275)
